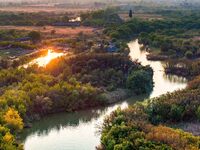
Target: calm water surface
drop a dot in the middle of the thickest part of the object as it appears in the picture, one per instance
(78, 130)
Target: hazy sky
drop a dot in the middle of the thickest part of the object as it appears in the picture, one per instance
(97, 0)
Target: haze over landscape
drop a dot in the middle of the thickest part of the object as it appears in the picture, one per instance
(86, 1)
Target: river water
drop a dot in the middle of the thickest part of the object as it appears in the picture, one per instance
(79, 130)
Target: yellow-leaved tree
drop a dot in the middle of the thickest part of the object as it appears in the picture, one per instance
(13, 120)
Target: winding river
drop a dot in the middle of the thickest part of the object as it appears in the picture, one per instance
(79, 130)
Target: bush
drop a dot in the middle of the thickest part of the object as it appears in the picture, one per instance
(135, 132)
(176, 112)
(198, 113)
(17, 45)
(35, 36)
(13, 120)
(140, 82)
(188, 54)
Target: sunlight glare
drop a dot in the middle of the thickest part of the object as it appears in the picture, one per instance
(43, 61)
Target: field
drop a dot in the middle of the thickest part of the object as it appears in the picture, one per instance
(31, 9)
(61, 31)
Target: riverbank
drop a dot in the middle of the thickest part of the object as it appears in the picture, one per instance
(149, 123)
(118, 95)
(178, 71)
(84, 81)
(69, 130)
(185, 68)
(104, 82)
(157, 57)
(110, 97)
(149, 120)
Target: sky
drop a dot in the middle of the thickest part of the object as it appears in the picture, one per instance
(97, 0)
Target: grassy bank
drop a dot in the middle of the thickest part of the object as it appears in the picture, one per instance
(146, 125)
(78, 82)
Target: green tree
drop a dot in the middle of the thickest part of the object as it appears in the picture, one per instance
(35, 36)
(198, 113)
(188, 54)
(13, 120)
(176, 112)
(140, 82)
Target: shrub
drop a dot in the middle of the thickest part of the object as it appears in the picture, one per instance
(198, 113)
(35, 36)
(188, 54)
(140, 82)
(13, 120)
(176, 112)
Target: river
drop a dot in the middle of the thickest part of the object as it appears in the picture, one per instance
(78, 130)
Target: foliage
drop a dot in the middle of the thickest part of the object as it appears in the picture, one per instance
(143, 125)
(189, 54)
(140, 81)
(13, 120)
(10, 44)
(101, 18)
(7, 140)
(174, 36)
(100, 69)
(78, 82)
(180, 105)
(184, 68)
(130, 129)
(198, 113)
(35, 36)
(8, 35)
(31, 19)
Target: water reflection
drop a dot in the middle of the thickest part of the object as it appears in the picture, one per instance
(162, 83)
(44, 60)
(77, 131)
(74, 119)
(57, 122)
(175, 78)
(70, 129)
